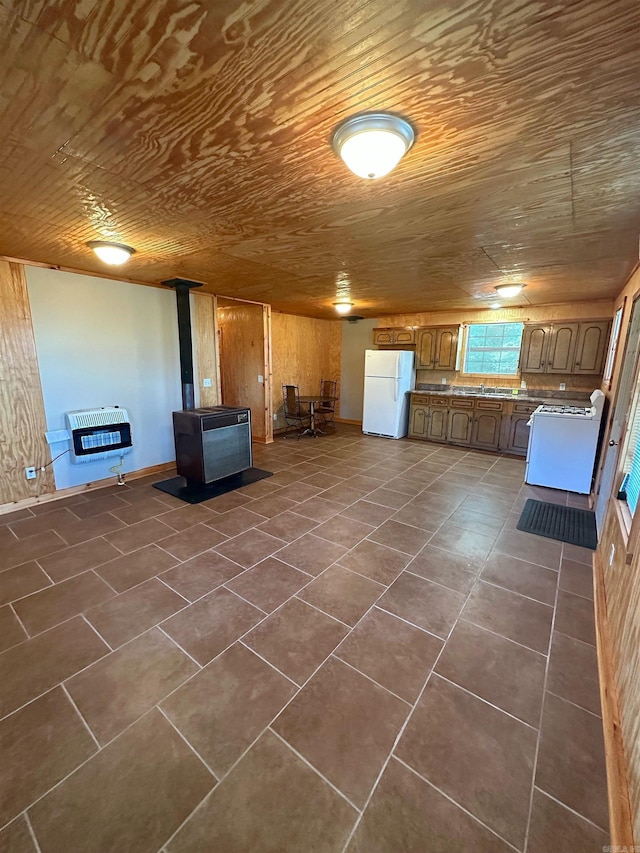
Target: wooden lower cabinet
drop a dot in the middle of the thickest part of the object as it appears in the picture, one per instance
(486, 430)
(437, 424)
(460, 426)
(418, 421)
(517, 434)
(486, 424)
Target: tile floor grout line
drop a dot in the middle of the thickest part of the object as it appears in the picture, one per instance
(167, 586)
(313, 767)
(81, 715)
(95, 631)
(32, 832)
(574, 704)
(408, 622)
(485, 701)
(188, 743)
(315, 607)
(242, 598)
(269, 663)
(521, 594)
(20, 622)
(455, 803)
(572, 810)
(368, 677)
(177, 644)
(539, 738)
(466, 619)
(46, 573)
(576, 639)
(408, 718)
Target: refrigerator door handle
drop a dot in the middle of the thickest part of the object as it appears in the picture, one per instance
(398, 367)
(396, 389)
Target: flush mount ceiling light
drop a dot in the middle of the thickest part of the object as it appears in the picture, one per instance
(495, 305)
(343, 307)
(509, 290)
(111, 253)
(372, 145)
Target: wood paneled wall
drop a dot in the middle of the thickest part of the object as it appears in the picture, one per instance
(22, 418)
(622, 596)
(241, 330)
(304, 351)
(528, 313)
(205, 345)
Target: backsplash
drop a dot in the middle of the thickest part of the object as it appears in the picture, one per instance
(535, 381)
(507, 391)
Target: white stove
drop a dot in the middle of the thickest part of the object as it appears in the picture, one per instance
(562, 445)
(581, 411)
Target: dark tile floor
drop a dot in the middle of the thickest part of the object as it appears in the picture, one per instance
(360, 653)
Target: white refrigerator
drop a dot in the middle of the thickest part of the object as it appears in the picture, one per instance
(388, 375)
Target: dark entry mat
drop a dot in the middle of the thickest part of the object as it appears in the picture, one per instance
(195, 493)
(564, 523)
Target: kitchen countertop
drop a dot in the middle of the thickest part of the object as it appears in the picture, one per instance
(539, 397)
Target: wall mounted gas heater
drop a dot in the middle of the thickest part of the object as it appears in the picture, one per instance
(98, 433)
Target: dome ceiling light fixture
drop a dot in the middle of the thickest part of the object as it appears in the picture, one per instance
(343, 307)
(507, 291)
(111, 253)
(372, 144)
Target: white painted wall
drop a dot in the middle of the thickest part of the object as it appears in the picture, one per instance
(356, 338)
(105, 343)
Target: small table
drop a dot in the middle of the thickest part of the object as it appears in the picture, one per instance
(311, 400)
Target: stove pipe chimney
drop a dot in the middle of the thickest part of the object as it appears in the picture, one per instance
(182, 287)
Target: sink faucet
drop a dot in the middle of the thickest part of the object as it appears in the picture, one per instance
(482, 389)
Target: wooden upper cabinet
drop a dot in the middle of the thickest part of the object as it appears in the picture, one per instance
(535, 346)
(565, 347)
(562, 348)
(437, 347)
(382, 336)
(388, 337)
(426, 348)
(447, 348)
(591, 347)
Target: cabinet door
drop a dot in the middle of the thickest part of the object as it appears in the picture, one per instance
(591, 348)
(418, 420)
(535, 345)
(382, 336)
(426, 348)
(486, 429)
(446, 348)
(562, 348)
(437, 424)
(518, 436)
(460, 424)
(404, 336)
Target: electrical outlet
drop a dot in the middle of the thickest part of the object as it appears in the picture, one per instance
(260, 378)
(206, 383)
(523, 385)
(563, 386)
(30, 473)
(443, 381)
(275, 417)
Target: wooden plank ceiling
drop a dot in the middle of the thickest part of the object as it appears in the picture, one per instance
(198, 132)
